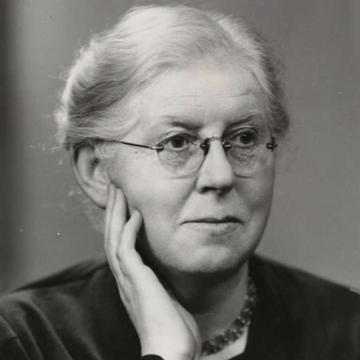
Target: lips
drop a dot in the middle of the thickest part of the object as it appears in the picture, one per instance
(214, 220)
(213, 226)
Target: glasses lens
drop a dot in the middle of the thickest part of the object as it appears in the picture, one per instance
(249, 153)
(181, 161)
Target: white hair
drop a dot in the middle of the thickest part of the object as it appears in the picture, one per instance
(147, 41)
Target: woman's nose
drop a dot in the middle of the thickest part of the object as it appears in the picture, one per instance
(215, 173)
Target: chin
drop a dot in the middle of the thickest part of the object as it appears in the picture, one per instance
(208, 261)
(202, 253)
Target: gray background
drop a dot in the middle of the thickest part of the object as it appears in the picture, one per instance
(315, 222)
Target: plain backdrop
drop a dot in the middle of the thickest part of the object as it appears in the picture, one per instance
(315, 222)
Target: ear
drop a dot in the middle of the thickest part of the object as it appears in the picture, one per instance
(91, 174)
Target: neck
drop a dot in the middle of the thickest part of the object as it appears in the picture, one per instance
(214, 301)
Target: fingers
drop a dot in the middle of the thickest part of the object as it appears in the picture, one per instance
(130, 231)
(120, 236)
(126, 253)
(115, 217)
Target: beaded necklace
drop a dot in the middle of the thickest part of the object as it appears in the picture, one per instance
(236, 329)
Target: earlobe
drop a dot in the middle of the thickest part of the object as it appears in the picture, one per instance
(91, 174)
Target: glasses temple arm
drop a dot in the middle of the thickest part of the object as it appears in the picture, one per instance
(155, 147)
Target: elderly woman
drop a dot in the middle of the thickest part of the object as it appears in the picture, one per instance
(172, 119)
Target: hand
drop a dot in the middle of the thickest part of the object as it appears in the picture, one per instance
(164, 327)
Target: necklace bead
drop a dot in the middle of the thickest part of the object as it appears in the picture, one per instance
(238, 326)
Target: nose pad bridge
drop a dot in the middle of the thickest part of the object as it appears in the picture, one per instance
(205, 145)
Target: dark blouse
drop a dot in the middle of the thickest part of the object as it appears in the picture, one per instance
(77, 314)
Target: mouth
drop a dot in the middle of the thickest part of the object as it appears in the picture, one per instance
(213, 220)
(214, 226)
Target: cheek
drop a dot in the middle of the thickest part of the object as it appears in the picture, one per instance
(160, 204)
(257, 194)
(157, 197)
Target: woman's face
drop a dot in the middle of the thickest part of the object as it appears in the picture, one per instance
(211, 220)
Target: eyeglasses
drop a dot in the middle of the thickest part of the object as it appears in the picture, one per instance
(247, 149)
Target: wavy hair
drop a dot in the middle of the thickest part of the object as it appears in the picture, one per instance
(144, 43)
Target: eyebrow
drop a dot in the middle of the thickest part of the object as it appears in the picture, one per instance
(251, 116)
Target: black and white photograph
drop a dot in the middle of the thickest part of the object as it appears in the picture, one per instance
(180, 180)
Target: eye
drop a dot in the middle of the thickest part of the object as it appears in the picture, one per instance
(177, 142)
(247, 137)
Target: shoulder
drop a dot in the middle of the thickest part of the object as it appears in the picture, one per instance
(64, 288)
(302, 316)
(328, 310)
(53, 290)
(78, 273)
(299, 282)
(61, 310)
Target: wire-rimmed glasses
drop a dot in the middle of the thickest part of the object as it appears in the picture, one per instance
(246, 147)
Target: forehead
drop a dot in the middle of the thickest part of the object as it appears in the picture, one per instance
(202, 95)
